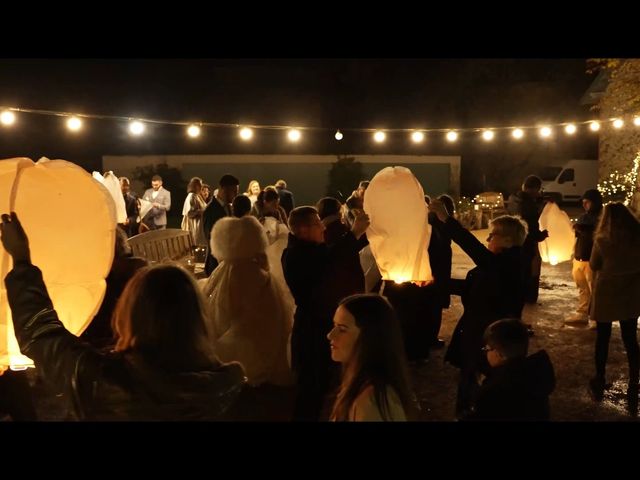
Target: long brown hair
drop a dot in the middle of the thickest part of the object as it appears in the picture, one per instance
(618, 226)
(378, 357)
(161, 316)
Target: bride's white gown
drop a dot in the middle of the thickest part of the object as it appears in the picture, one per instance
(250, 315)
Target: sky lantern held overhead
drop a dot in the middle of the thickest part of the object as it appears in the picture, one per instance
(558, 247)
(399, 233)
(70, 219)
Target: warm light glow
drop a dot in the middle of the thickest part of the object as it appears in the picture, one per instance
(517, 133)
(339, 135)
(570, 129)
(379, 136)
(594, 126)
(488, 135)
(452, 136)
(136, 128)
(545, 132)
(618, 123)
(553, 260)
(294, 135)
(7, 117)
(417, 137)
(193, 131)
(399, 279)
(246, 133)
(74, 124)
(636, 121)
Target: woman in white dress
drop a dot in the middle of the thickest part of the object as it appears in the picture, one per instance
(192, 211)
(250, 318)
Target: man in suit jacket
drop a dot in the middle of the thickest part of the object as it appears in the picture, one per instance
(286, 197)
(131, 204)
(160, 198)
(220, 206)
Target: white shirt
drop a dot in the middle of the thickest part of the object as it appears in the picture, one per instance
(155, 193)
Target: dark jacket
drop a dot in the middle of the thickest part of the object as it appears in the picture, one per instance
(286, 200)
(584, 229)
(131, 205)
(529, 209)
(316, 277)
(212, 213)
(493, 290)
(114, 386)
(440, 259)
(517, 390)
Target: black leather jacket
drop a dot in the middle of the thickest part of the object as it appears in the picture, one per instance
(112, 386)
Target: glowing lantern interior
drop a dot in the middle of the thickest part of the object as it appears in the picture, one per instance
(558, 247)
(70, 219)
(399, 233)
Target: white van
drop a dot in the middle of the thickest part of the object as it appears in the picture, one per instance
(567, 183)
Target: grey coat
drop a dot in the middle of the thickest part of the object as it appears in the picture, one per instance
(616, 271)
(159, 215)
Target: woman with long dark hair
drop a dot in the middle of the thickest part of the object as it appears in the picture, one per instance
(615, 261)
(366, 339)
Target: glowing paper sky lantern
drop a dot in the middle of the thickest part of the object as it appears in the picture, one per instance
(70, 220)
(399, 233)
(558, 247)
(111, 183)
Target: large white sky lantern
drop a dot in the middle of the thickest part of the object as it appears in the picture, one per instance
(558, 247)
(112, 183)
(70, 219)
(399, 233)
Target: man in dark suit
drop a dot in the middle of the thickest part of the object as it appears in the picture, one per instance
(286, 197)
(131, 203)
(316, 276)
(220, 206)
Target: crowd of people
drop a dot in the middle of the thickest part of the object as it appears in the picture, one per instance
(293, 298)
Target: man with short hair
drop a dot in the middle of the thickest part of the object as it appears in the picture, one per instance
(315, 275)
(219, 207)
(160, 198)
(286, 197)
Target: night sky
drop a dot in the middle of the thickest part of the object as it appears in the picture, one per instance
(340, 93)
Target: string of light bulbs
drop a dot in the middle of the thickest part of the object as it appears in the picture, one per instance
(136, 126)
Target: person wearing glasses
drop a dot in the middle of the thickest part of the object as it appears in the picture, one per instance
(494, 289)
(517, 386)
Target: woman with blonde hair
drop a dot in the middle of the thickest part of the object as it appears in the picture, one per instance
(367, 341)
(162, 367)
(615, 261)
(253, 190)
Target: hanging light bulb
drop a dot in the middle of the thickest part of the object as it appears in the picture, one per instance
(136, 128)
(636, 121)
(618, 123)
(545, 132)
(246, 133)
(7, 117)
(417, 137)
(74, 124)
(294, 135)
(594, 126)
(339, 135)
(570, 129)
(379, 136)
(517, 133)
(488, 135)
(452, 136)
(193, 131)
